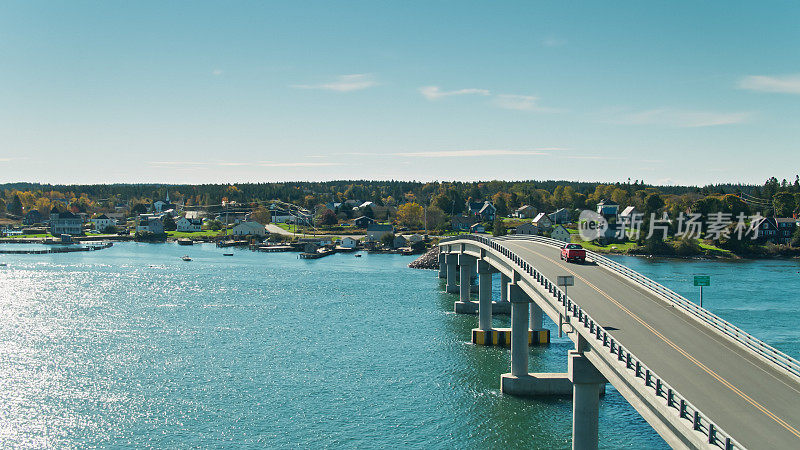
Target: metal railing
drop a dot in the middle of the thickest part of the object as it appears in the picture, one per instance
(687, 412)
(780, 359)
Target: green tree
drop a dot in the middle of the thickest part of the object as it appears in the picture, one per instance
(327, 218)
(16, 206)
(784, 204)
(796, 238)
(169, 223)
(261, 215)
(500, 205)
(2, 206)
(139, 208)
(215, 225)
(499, 228)
(387, 239)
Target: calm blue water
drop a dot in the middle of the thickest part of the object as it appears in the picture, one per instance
(132, 347)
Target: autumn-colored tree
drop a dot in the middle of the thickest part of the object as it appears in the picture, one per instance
(410, 214)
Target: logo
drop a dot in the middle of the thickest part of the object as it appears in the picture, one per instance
(591, 225)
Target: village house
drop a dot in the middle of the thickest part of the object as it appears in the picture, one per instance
(607, 208)
(249, 228)
(542, 222)
(461, 223)
(777, 230)
(376, 231)
(65, 223)
(525, 212)
(477, 228)
(527, 229)
(483, 210)
(161, 206)
(628, 214)
(363, 221)
(399, 242)
(102, 222)
(348, 242)
(560, 233)
(32, 217)
(187, 225)
(559, 216)
(150, 223)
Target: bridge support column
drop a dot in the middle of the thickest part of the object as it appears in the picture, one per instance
(539, 335)
(519, 330)
(483, 334)
(586, 384)
(452, 265)
(466, 266)
(504, 287)
(442, 265)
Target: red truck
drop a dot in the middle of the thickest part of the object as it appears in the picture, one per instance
(573, 252)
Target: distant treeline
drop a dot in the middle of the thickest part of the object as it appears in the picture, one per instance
(448, 196)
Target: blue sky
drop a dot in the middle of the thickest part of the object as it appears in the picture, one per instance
(194, 92)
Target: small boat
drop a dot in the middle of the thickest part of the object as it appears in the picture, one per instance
(3, 264)
(227, 254)
(185, 241)
(358, 255)
(186, 258)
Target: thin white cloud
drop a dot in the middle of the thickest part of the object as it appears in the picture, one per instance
(682, 118)
(298, 164)
(216, 72)
(519, 103)
(177, 163)
(473, 153)
(595, 157)
(344, 83)
(786, 84)
(435, 92)
(553, 41)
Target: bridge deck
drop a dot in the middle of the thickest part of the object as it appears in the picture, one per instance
(748, 398)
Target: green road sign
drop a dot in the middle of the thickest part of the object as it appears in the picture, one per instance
(702, 280)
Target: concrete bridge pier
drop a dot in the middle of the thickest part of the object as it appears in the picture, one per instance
(504, 279)
(442, 265)
(520, 381)
(539, 334)
(451, 260)
(466, 266)
(586, 387)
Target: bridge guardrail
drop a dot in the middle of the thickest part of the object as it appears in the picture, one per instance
(763, 349)
(698, 422)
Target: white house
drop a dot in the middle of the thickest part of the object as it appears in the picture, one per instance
(249, 228)
(150, 223)
(542, 221)
(102, 222)
(348, 242)
(561, 234)
(189, 225)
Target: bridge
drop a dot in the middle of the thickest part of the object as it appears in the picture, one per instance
(698, 380)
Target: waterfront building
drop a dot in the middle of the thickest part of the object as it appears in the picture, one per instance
(249, 228)
(65, 223)
(187, 225)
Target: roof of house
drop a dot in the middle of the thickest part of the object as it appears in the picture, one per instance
(605, 202)
(379, 227)
(524, 207)
(559, 227)
(487, 205)
(63, 215)
(540, 216)
(364, 217)
(527, 225)
(102, 216)
(560, 210)
(628, 211)
(463, 219)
